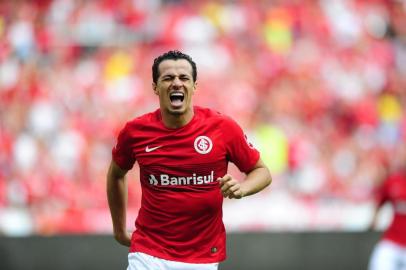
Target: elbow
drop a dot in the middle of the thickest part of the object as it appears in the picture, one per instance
(265, 173)
(268, 178)
(269, 181)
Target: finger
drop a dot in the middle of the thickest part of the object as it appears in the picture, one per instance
(236, 195)
(228, 185)
(234, 188)
(232, 191)
(229, 195)
(224, 179)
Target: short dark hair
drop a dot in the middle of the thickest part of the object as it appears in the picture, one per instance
(172, 55)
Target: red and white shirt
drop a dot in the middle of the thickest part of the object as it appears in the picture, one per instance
(393, 190)
(180, 217)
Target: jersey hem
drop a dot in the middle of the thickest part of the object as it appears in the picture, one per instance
(183, 260)
(394, 240)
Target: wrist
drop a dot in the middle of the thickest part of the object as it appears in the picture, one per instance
(244, 191)
(123, 237)
(120, 233)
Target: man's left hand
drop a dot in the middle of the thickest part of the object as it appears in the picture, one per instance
(230, 187)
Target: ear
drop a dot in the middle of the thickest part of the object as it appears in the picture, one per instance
(194, 87)
(154, 87)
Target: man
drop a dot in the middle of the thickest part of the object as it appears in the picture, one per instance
(182, 151)
(390, 252)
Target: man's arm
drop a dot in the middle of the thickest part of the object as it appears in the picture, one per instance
(257, 179)
(375, 215)
(117, 198)
(374, 220)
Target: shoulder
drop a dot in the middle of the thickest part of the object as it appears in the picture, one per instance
(139, 122)
(213, 115)
(227, 126)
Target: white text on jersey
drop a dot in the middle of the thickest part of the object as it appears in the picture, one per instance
(168, 180)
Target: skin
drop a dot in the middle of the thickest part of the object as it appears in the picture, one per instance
(117, 198)
(256, 180)
(176, 75)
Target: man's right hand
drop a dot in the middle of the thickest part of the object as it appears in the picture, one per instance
(123, 238)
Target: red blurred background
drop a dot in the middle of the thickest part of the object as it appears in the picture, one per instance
(319, 87)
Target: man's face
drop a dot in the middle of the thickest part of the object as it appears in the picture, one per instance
(175, 86)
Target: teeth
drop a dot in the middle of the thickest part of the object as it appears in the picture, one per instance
(177, 95)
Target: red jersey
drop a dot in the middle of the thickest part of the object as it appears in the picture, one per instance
(180, 218)
(393, 190)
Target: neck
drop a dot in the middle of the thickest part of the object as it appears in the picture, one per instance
(174, 121)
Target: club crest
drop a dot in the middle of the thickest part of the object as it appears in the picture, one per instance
(203, 145)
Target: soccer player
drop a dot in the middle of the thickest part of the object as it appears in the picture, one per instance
(390, 251)
(182, 151)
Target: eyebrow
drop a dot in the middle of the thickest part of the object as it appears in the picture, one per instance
(172, 75)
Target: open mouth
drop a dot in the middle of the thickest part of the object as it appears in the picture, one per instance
(177, 99)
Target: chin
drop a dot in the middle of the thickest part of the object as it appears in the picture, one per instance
(177, 111)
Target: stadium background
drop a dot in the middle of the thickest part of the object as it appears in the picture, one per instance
(319, 87)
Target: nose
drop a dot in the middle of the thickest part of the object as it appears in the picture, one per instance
(177, 82)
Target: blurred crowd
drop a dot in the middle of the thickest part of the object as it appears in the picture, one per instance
(319, 87)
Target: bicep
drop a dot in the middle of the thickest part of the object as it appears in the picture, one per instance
(260, 164)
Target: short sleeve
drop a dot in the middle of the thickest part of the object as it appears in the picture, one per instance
(239, 151)
(122, 153)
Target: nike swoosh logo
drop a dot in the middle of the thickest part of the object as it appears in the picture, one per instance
(147, 149)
